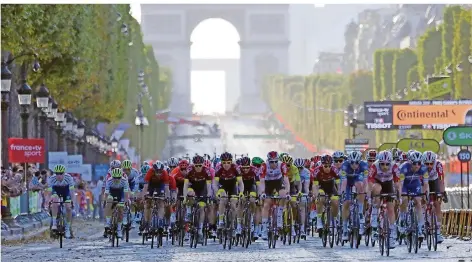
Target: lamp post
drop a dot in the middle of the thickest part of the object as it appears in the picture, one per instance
(24, 98)
(80, 138)
(140, 121)
(42, 102)
(6, 85)
(51, 115)
(114, 147)
(60, 117)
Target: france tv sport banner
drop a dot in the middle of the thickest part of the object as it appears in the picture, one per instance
(21, 150)
(421, 114)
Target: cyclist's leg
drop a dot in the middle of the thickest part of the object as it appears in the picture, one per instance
(387, 188)
(188, 206)
(68, 213)
(222, 200)
(108, 207)
(417, 189)
(269, 188)
(376, 189)
(54, 209)
(434, 186)
(346, 205)
(359, 184)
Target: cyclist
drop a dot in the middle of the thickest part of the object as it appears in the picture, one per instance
(305, 177)
(413, 173)
(157, 180)
(257, 164)
(197, 183)
(113, 164)
(371, 156)
(132, 174)
(61, 186)
(173, 163)
(138, 189)
(352, 174)
(436, 184)
(273, 178)
(382, 176)
(325, 181)
(228, 182)
(250, 180)
(338, 159)
(116, 190)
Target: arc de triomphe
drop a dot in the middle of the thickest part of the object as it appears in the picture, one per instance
(264, 33)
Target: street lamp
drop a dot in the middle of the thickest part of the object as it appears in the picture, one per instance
(68, 122)
(53, 111)
(6, 78)
(6, 86)
(42, 97)
(24, 98)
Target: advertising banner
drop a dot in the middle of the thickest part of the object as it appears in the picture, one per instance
(74, 164)
(356, 145)
(420, 145)
(22, 150)
(86, 172)
(387, 146)
(422, 114)
(57, 158)
(100, 170)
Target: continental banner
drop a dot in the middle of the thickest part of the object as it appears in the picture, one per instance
(423, 114)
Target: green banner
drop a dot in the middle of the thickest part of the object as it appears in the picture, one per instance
(458, 136)
(387, 146)
(420, 145)
(15, 206)
(33, 202)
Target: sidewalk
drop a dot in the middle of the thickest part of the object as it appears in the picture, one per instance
(25, 226)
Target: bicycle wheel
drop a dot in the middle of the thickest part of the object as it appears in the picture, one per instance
(339, 231)
(387, 235)
(274, 227)
(428, 229)
(381, 237)
(435, 231)
(289, 226)
(60, 230)
(332, 228)
(415, 234)
(367, 236)
(324, 231)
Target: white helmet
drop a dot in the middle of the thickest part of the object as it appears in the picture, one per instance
(173, 161)
(338, 154)
(385, 156)
(415, 156)
(354, 156)
(429, 157)
(115, 164)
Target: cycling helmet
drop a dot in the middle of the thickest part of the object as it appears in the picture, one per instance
(198, 160)
(287, 159)
(117, 173)
(385, 157)
(371, 155)
(415, 156)
(245, 161)
(257, 161)
(158, 166)
(173, 162)
(409, 152)
(299, 162)
(281, 156)
(59, 169)
(354, 156)
(395, 153)
(238, 161)
(429, 157)
(207, 163)
(126, 164)
(272, 156)
(145, 169)
(338, 155)
(316, 159)
(326, 159)
(404, 156)
(307, 163)
(145, 163)
(226, 157)
(183, 164)
(115, 163)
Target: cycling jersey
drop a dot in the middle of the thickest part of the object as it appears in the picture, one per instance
(228, 178)
(305, 175)
(117, 188)
(352, 176)
(326, 180)
(139, 180)
(62, 187)
(436, 171)
(412, 180)
(132, 176)
(249, 179)
(156, 181)
(293, 174)
(277, 173)
(198, 180)
(376, 175)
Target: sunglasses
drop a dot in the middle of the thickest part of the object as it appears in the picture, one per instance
(172, 167)
(273, 162)
(370, 160)
(326, 165)
(257, 166)
(355, 162)
(59, 174)
(198, 165)
(300, 168)
(416, 163)
(385, 164)
(429, 164)
(245, 167)
(226, 162)
(339, 160)
(183, 169)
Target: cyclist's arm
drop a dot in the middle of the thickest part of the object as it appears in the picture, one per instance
(240, 183)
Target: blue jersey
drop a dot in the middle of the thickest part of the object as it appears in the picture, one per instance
(408, 176)
(133, 175)
(359, 173)
(304, 175)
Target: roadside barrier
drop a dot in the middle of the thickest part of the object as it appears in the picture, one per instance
(457, 223)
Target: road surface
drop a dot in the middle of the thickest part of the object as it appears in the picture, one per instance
(90, 246)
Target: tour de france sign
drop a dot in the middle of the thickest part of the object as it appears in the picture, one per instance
(422, 114)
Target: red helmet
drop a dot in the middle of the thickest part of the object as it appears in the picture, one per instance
(372, 155)
(326, 159)
(207, 163)
(245, 161)
(307, 163)
(183, 164)
(273, 155)
(198, 160)
(316, 159)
